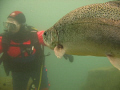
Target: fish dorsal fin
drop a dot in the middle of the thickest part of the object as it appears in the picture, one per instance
(114, 3)
(115, 61)
(59, 52)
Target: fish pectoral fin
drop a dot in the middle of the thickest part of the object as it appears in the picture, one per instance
(115, 61)
(59, 51)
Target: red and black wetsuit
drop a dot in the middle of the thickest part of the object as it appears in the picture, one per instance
(22, 54)
(15, 51)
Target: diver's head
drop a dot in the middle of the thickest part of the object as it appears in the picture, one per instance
(14, 22)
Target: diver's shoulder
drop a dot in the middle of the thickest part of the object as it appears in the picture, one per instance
(31, 28)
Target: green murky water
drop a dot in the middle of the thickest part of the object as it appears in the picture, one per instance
(42, 14)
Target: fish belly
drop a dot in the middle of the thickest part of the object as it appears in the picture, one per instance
(84, 50)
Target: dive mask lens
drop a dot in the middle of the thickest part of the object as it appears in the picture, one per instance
(5, 25)
(9, 26)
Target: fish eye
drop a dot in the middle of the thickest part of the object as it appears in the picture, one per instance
(45, 33)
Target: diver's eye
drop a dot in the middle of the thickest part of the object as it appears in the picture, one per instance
(45, 33)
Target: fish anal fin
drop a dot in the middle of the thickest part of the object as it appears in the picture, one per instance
(115, 61)
(59, 51)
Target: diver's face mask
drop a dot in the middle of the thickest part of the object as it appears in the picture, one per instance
(11, 25)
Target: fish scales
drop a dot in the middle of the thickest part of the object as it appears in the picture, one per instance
(88, 30)
(104, 10)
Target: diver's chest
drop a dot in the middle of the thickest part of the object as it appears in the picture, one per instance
(20, 49)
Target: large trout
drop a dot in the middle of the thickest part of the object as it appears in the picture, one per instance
(88, 30)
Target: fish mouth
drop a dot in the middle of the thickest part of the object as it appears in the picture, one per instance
(50, 38)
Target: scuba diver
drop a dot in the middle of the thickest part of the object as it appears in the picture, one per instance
(23, 53)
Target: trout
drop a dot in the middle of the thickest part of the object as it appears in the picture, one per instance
(89, 30)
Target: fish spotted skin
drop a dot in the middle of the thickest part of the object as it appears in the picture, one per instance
(88, 30)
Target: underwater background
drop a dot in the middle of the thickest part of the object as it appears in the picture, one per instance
(42, 14)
